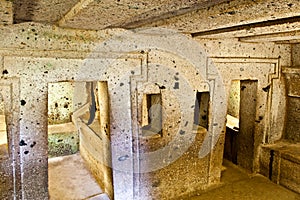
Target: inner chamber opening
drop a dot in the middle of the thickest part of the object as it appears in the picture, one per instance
(78, 159)
(240, 126)
(3, 132)
(201, 110)
(152, 115)
(232, 123)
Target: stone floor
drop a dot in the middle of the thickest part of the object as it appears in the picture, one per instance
(70, 180)
(236, 184)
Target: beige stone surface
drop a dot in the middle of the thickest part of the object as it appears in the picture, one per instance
(6, 12)
(42, 10)
(3, 131)
(61, 128)
(69, 179)
(229, 14)
(284, 163)
(236, 184)
(126, 13)
(224, 40)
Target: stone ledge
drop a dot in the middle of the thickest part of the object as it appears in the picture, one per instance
(291, 70)
(284, 164)
(62, 128)
(287, 150)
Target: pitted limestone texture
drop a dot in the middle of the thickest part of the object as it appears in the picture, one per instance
(130, 65)
(60, 102)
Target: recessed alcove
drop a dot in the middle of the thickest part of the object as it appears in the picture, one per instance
(201, 114)
(152, 115)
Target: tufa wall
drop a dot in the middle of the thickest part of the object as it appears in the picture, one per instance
(134, 65)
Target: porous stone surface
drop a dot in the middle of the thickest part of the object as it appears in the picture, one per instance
(237, 184)
(293, 120)
(228, 14)
(42, 11)
(6, 12)
(135, 165)
(279, 160)
(234, 99)
(117, 13)
(292, 76)
(70, 179)
(295, 55)
(60, 102)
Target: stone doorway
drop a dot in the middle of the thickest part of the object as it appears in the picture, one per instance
(240, 126)
(76, 151)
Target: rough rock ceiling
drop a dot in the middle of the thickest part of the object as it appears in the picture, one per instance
(41, 10)
(201, 18)
(100, 14)
(123, 13)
